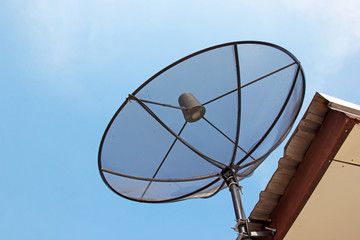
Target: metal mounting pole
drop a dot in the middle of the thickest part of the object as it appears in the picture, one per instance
(234, 189)
(229, 175)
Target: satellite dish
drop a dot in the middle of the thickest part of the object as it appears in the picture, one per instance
(202, 124)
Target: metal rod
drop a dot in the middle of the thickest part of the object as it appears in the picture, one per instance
(160, 179)
(269, 74)
(157, 103)
(162, 162)
(254, 81)
(227, 137)
(234, 90)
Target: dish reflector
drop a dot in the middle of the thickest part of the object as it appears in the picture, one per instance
(160, 147)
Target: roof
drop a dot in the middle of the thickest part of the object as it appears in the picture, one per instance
(308, 154)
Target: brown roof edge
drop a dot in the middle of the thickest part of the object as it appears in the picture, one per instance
(331, 135)
(294, 152)
(356, 118)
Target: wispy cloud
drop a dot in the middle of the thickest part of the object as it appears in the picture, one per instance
(52, 28)
(332, 26)
(337, 24)
(65, 34)
(67, 40)
(337, 28)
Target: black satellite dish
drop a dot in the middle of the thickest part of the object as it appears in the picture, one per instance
(202, 124)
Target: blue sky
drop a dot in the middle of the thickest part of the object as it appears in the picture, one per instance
(65, 68)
